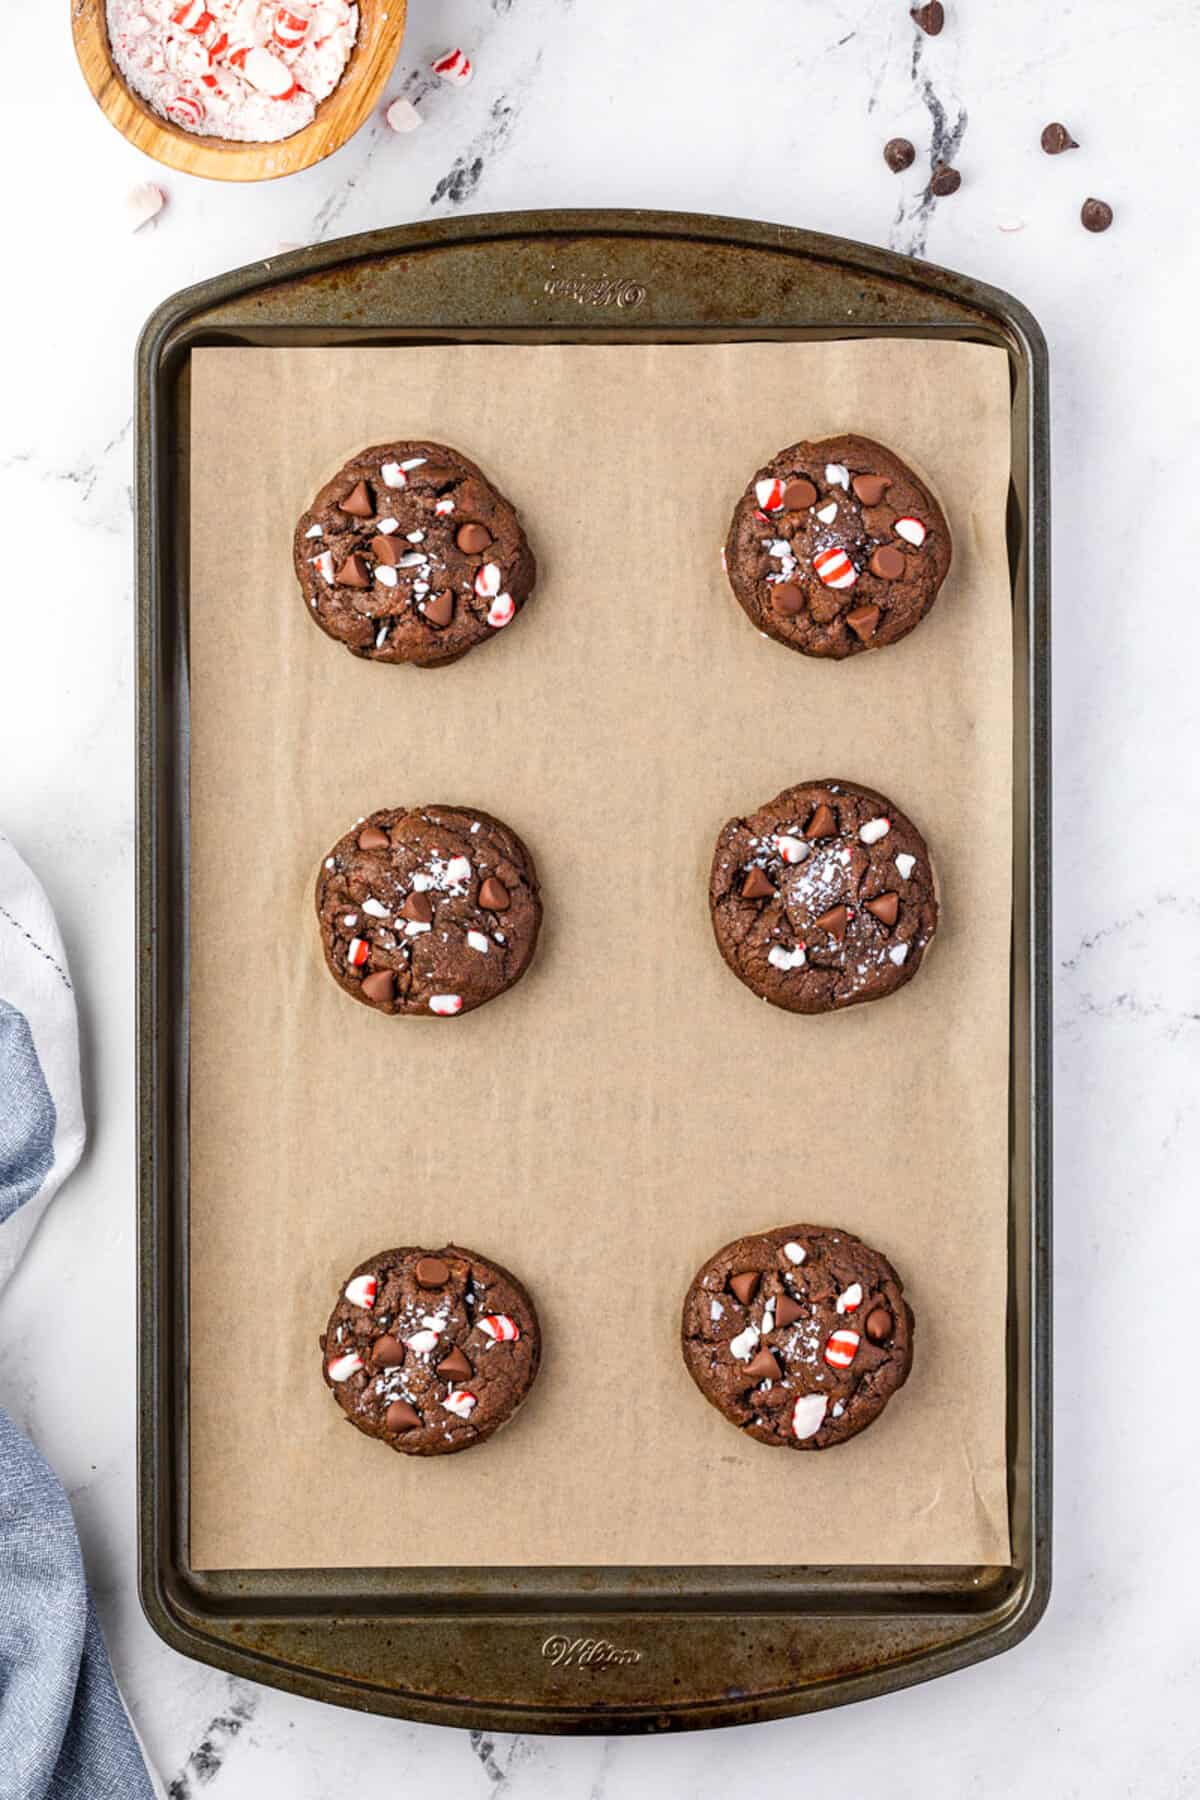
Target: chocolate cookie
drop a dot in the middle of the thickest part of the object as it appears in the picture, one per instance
(410, 555)
(428, 909)
(837, 547)
(823, 898)
(431, 1351)
(801, 1336)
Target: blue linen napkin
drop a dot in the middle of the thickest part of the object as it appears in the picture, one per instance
(64, 1733)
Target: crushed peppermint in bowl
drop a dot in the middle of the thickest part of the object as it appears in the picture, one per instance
(242, 90)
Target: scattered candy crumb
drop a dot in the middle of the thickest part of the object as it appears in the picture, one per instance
(143, 203)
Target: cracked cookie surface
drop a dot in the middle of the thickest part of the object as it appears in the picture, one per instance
(837, 547)
(431, 1351)
(799, 1336)
(428, 910)
(410, 555)
(823, 898)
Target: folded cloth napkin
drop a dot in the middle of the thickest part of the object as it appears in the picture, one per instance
(64, 1734)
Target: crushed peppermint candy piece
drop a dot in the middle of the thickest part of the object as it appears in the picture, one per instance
(795, 1253)
(851, 1298)
(499, 1327)
(318, 531)
(478, 941)
(453, 67)
(444, 507)
(808, 1415)
(460, 1402)
(143, 203)
(376, 908)
(837, 475)
(911, 530)
(827, 513)
(358, 952)
(341, 1368)
(445, 1005)
(779, 958)
(873, 830)
(841, 1349)
(323, 564)
(487, 580)
(906, 864)
(898, 954)
(362, 1291)
(769, 494)
(458, 870)
(393, 475)
(792, 849)
(501, 612)
(742, 1346)
(424, 1341)
(402, 115)
(834, 569)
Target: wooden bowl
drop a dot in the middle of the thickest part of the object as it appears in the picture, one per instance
(338, 117)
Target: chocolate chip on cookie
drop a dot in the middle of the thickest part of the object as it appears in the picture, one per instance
(823, 898)
(800, 1335)
(429, 909)
(837, 547)
(411, 555)
(431, 1352)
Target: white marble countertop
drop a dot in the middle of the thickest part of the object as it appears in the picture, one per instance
(777, 112)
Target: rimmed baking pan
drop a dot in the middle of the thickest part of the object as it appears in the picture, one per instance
(576, 1649)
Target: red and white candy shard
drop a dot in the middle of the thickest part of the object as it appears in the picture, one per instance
(487, 581)
(460, 1402)
(834, 569)
(911, 530)
(808, 1415)
(500, 1328)
(458, 870)
(501, 612)
(779, 958)
(323, 564)
(393, 475)
(874, 829)
(453, 67)
(850, 1299)
(290, 28)
(444, 507)
(362, 1291)
(343, 1367)
(769, 495)
(792, 849)
(445, 1005)
(186, 109)
(358, 952)
(193, 17)
(423, 1341)
(841, 1349)
(268, 74)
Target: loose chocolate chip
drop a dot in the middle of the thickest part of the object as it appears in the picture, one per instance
(763, 1367)
(472, 538)
(1097, 215)
(380, 986)
(862, 622)
(930, 17)
(879, 1325)
(439, 610)
(388, 1352)
(432, 1272)
(888, 563)
(386, 550)
(834, 922)
(358, 502)
(899, 155)
(418, 908)
(799, 495)
(455, 1367)
(944, 181)
(787, 1311)
(371, 838)
(1056, 138)
(757, 886)
(870, 489)
(822, 824)
(400, 1416)
(744, 1285)
(786, 599)
(885, 909)
(494, 896)
(353, 573)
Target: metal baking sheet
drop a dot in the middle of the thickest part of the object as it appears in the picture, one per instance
(575, 1649)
